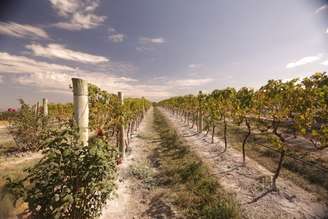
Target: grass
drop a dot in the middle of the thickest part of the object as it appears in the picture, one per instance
(7, 207)
(307, 177)
(144, 172)
(193, 189)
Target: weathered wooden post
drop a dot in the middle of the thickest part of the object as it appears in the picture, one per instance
(200, 113)
(121, 137)
(45, 106)
(37, 108)
(81, 108)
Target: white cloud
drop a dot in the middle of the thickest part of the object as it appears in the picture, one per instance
(327, 30)
(48, 77)
(117, 38)
(59, 51)
(194, 66)
(148, 44)
(190, 82)
(322, 8)
(22, 30)
(325, 62)
(148, 40)
(304, 61)
(79, 14)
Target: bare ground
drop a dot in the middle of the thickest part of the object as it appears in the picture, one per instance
(134, 198)
(5, 136)
(9, 162)
(251, 181)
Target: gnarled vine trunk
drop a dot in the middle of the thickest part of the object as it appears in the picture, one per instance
(245, 140)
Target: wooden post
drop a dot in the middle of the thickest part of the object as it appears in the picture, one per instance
(81, 108)
(45, 106)
(37, 108)
(200, 113)
(121, 137)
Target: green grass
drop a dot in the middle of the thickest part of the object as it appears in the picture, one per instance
(193, 189)
(143, 171)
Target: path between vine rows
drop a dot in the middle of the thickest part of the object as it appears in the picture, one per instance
(133, 199)
(249, 182)
(136, 201)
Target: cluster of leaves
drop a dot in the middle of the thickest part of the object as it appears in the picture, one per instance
(29, 128)
(71, 181)
(60, 111)
(107, 113)
(300, 107)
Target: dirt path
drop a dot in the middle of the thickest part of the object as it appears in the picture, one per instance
(5, 136)
(137, 197)
(251, 181)
(9, 162)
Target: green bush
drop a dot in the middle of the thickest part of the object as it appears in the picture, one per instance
(71, 181)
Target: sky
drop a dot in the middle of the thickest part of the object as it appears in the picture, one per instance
(156, 48)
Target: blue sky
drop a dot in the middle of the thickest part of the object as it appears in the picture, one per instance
(156, 48)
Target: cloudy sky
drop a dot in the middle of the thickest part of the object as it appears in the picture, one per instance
(156, 48)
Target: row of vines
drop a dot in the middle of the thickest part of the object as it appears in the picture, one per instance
(73, 179)
(279, 108)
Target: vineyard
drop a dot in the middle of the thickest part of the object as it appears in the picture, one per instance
(230, 153)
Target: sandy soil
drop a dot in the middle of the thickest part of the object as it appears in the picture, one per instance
(250, 182)
(5, 136)
(134, 200)
(9, 162)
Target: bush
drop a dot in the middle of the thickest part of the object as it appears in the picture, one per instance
(71, 181)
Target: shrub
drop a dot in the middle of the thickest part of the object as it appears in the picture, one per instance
(71, 181)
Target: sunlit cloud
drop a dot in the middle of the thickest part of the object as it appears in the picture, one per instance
(56, 78)
(149, 44)
(322, 8)
(117, 37)
(325, 62)
(194, 66)
(78, 14)
(61, 52)
(148, 40)
(22, 30)
(304, 61)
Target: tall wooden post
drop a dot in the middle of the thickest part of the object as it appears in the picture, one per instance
(121, 137)
(37, 108)
(45, 106)
(200, 113)
(81, 108)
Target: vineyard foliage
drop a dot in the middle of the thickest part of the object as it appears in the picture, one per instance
(72, 180)
(277, 108)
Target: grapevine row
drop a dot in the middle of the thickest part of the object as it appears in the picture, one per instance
(279, 108)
